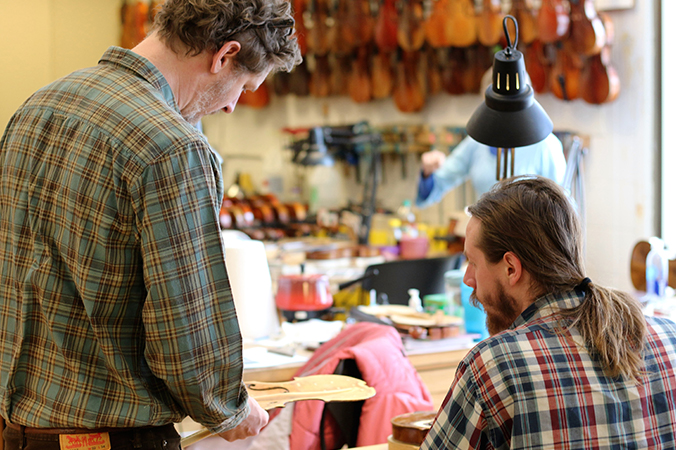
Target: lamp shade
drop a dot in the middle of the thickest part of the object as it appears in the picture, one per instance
(510, 116)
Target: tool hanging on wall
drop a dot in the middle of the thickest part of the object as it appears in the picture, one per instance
(350, 143)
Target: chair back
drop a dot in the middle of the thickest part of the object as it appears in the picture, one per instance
(392, 280)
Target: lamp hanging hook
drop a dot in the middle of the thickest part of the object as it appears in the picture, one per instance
(510, 45)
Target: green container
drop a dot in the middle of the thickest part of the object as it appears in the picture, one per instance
(436, 302)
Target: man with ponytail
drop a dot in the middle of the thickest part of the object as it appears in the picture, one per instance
(569, 364)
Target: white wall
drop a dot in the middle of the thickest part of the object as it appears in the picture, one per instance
(43, 40)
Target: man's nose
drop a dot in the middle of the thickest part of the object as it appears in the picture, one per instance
(468, 279)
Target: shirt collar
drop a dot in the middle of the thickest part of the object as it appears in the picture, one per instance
(548, 305)
(141, 67)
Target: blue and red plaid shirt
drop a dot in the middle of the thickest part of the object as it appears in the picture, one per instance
(531, 387)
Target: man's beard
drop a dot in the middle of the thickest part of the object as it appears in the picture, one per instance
(205, 99)
(504, 310)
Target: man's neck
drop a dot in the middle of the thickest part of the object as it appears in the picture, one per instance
(183, 73)
(524, 291)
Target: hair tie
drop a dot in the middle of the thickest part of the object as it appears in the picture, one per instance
(583, 284)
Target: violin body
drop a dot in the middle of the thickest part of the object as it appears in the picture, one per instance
(365, 23)
(340, 75)
(587, 34)
(153, 9)
(320, 80)
(382, 75)
(489, 23)
(385, 29)
(281, 83)
(537, 66)
(260, 98)
(526, 17)
(453, 67)
(411, 31)
(462, 23)
(408, 93)
(345, 36)
(299, 80)
(438, 29)
(564, 81)
(299, 26)
(553, 21)
(360, 87)
(433, 72)
(320, 27)
(599, 79)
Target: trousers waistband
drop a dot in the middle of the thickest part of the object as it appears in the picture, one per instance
(56, 431)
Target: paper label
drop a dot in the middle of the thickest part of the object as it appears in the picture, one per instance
(92, 441)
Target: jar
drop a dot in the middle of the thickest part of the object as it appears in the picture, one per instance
(452, 282)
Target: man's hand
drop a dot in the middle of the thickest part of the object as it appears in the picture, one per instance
(431, 161)
(251, 426)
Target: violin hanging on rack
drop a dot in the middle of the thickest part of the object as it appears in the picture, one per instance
(538, 65)
(438, 27)
(462, 22)
(553, 21)
(408, 92)
(385, 32)
(564, 78)
(382, 74)
(359, 83)
(411, 29)
(587, 35)
(526, 17)
(489, 23)
(599, 80)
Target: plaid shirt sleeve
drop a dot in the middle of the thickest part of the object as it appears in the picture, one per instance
(460, 423)
(192, 336)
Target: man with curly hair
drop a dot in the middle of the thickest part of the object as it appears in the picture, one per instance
(116, 316)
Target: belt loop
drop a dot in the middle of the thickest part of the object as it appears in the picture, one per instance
(22, 431)
(137, 442)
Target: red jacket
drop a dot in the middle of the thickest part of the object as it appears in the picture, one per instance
(379, 354)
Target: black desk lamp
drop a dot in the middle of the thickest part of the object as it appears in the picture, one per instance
(510, 117)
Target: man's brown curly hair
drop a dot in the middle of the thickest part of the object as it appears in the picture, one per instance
(264, 28)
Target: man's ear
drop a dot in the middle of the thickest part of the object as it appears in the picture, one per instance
(513, 269)
(224, 55)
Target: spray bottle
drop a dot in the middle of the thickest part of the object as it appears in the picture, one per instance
(656, 269)
(414, 301)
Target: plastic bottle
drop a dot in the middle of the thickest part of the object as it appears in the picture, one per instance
(407, 217)
(405, 213)
(656, 269)
(414, 301)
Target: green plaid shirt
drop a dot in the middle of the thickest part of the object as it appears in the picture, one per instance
(115, 304)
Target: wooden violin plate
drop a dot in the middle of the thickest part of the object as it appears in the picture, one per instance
(386, 310)
(329, 388)
(425, 320)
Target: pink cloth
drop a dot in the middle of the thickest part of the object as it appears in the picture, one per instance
(379, 354)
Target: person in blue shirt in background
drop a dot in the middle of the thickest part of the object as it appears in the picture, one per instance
(476, 161)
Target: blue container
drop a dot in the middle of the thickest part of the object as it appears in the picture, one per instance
(475, 318)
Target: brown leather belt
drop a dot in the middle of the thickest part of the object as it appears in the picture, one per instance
(31, 430)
